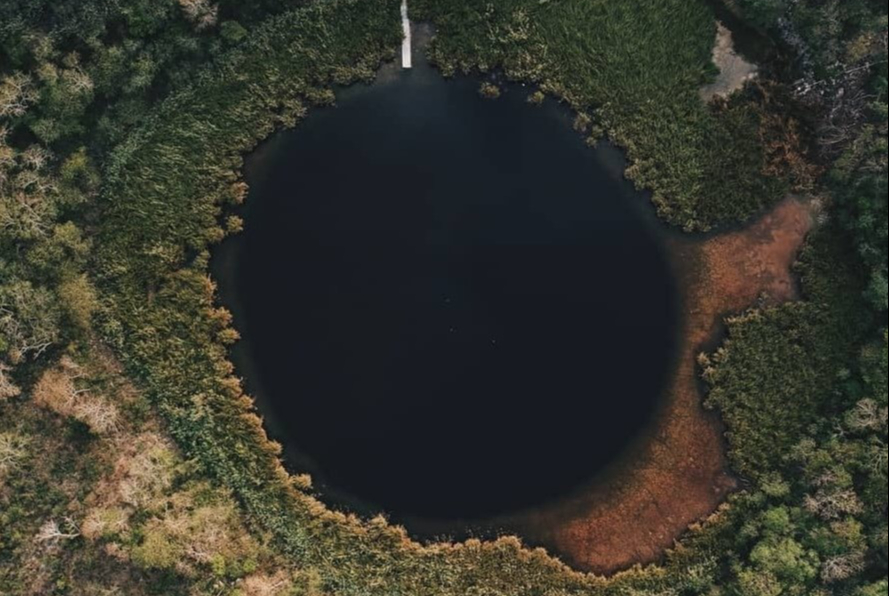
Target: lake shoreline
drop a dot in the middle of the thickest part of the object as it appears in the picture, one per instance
(598, 529)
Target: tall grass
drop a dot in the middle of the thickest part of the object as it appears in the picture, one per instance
(164, 194)
(637, 67)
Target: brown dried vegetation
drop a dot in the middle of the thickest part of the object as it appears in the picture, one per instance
(681, 474)
(61, 390)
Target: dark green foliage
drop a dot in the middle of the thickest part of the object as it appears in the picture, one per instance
(877, 589)
(59, 462)
(33, 491)
(860, 184)
(167, 104)
(638, 66)
(762, 13)
(99, 64)
(806, 418)
(65, 19)
(164, 193)
(826, 35)
(781, 370)
(188, 157)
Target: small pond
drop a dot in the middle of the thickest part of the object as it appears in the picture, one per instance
(452, 308)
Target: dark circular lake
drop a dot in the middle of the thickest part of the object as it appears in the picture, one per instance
(452, 308)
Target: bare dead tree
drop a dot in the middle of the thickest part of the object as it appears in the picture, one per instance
(101, 416)
(81, 82)
(833, 504)
(58, 391)
(25, 216)
(31, 181)
(201, 13)
(36, 157)
(27, 195)
(52, 532)
(839, 104)
(149, 473)
(866, 416)
(8, 390)
(7, 156)
(267, 585)
(17, 94)
(879, 463)
(845, 117)
(12, 451)
(842, 567)
(204, 544)
(29, 320)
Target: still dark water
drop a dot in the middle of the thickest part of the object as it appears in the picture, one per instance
(452, 308)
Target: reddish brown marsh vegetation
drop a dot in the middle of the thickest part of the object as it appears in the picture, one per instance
(678, 475)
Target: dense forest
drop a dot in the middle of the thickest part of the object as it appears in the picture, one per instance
(131, 461)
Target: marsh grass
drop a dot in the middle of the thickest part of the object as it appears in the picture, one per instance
(165, 193)
(636, 67)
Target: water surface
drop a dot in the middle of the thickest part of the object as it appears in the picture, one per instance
(452, 308)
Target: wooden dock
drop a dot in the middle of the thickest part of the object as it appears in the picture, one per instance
(406, 56)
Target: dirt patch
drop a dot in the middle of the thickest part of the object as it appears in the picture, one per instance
(734, 71)
(679, 475)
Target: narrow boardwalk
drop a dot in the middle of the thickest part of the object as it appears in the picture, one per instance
(406, 60)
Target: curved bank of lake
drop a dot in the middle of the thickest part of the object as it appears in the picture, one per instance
(395, 242)
(452, 308)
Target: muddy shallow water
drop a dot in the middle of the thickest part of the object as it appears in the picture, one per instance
(456, 313)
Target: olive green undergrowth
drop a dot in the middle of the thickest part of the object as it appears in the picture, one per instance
(165, 191)
(635, 67)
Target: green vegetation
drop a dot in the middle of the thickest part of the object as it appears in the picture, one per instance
(837, 46)
(803, 388)
(859, 183)
(95, 500)
(122, 130)
(769, 408)
(828, 36)
(806, 431)
(635, 68)
(489, 91)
